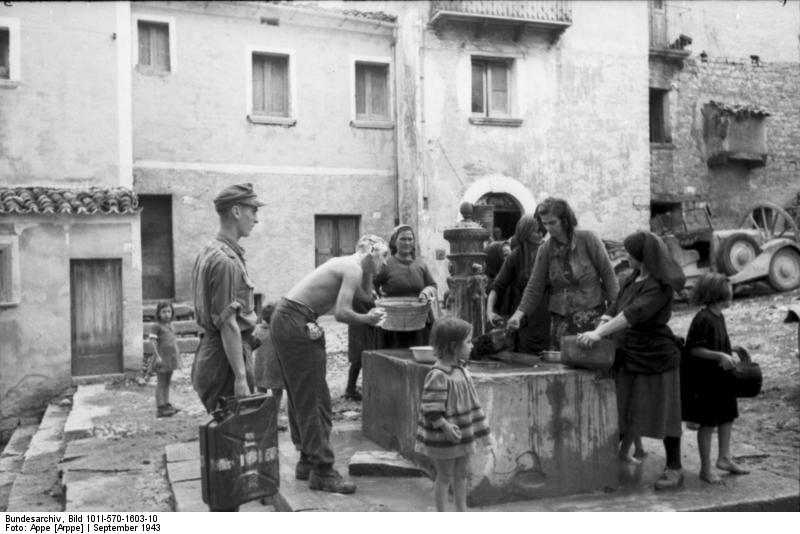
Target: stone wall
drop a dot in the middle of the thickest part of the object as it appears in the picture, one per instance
(731, 189)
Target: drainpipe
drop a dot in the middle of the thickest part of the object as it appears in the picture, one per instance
(396, 130)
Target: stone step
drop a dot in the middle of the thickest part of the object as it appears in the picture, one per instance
(183, 310)
(181, 328)
(186, 345)
(37, 487)
(12, 458)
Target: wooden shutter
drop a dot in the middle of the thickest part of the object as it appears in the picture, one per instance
(144, 43)
(498, 75)
(258, 84)
(5, 67)
(159, 47)
(378, 91)
(478, 70)
(348, 235)
(276, 85)
(324, 239)
(361, 91)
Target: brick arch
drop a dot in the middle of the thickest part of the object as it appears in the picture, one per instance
(501, 184)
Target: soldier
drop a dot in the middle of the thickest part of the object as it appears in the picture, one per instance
(300, 344)
(223, 302)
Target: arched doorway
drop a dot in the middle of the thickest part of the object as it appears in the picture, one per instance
(499, 210)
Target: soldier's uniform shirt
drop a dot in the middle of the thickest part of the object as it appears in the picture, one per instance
(221, 288)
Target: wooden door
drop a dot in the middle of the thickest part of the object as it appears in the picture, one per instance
(324, 248)
(96, 297)
(158, 275)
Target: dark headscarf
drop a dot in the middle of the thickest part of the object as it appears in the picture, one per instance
(396, 233)
(494, 258)
(652, 252)
(528, 236)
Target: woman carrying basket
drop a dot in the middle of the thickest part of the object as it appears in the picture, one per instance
(404, 275)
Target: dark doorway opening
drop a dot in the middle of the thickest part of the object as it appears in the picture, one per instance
(158, 275)
(504, 214)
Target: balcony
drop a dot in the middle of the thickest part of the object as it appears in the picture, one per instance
(549, 16)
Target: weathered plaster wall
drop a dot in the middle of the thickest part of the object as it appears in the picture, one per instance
(192, 136)
(280, 250)
(738, 29)
(35, 346)
(732, 189)
(60, 124)
(584, 111)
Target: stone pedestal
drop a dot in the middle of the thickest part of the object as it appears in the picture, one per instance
(554, 429)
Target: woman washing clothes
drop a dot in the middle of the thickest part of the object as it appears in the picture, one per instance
(506, 292)
(648, 354)
(404, 275)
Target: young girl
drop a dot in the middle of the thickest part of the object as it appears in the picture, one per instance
(709, 389)
(166, 357)
(451, 418)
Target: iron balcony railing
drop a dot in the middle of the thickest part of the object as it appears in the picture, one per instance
(543, 12)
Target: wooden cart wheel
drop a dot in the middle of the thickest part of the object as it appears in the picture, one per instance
(771, 221)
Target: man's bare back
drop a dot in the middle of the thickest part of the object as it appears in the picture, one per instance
(319, 290)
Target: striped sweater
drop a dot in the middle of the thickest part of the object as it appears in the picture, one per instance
(448, 392)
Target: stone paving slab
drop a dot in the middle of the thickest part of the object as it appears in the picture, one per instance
(12, 458)
(188, 496)
(178, 452)
(79, 423)
(19, 441)
(98, 454)
(89, 491)
(184, 470)
(382, 463)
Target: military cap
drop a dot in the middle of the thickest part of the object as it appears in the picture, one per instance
(237, 194)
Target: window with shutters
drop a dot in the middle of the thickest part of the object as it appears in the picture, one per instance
(334, 235)
(9, 52)
(659, 116)
(154, 46)
(372, 92)
(271, 88)
(491, 94)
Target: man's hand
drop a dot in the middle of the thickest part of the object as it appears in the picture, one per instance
(375, 316)
(240, 387)
(514, 321)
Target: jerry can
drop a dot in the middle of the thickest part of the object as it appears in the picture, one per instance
(599, 356)
(239, 452)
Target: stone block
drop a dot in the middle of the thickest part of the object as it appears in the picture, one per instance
(554, 429)
(184, 470)
(383, 464)
(178, 452)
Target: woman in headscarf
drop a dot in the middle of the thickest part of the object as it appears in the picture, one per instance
(648, 354)
(404, 275)
(573, 267)
(506, 292)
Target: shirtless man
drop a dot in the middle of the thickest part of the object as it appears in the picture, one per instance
(300, 345)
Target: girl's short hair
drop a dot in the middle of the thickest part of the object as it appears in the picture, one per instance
(266, 312)
(558, 207)
(164, 304)
(447, 334)
(712, 288)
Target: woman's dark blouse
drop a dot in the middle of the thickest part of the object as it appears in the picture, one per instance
(400, 278)
(647, 346)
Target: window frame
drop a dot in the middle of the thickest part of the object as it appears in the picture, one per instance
(666, 126)
(14, 52)
(9, 244)
(512, 91)
(335, 218)
(171, 39)
(355, 121)
(260, 118)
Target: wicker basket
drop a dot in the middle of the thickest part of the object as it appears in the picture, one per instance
(403, 314)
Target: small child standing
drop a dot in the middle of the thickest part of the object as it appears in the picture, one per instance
(450, 418)
(165, 345)
(708, 384)
(266, 368)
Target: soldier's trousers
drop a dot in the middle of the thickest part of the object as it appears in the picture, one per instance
(303, 363)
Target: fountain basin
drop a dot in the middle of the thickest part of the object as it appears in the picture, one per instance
(554, 429)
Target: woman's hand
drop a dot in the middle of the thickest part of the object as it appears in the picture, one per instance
(587, 339)
(604, 319)
(514, 321)
(493, 318)
(427, 294)
(452, 432)
(375, 316)
(726, 361)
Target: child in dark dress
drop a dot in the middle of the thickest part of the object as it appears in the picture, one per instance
(166, 354)
(708, 384)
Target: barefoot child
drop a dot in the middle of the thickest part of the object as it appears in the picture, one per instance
(709, 392)
(451, 418)
(165, 346)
